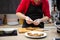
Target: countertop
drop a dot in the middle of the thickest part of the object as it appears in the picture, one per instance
(51, 33)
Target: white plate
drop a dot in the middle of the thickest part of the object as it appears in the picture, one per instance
(45, 34)
(12, 23)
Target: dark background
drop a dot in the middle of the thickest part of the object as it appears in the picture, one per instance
(8, 6)
(58, 4)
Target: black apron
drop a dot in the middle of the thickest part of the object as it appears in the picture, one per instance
(34, 12)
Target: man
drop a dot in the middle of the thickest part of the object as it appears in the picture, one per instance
(32, 12)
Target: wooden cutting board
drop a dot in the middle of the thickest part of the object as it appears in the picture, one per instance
(23, 30)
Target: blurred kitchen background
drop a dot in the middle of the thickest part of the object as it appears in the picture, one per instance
(8, 14)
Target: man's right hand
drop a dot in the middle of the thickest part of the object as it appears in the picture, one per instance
(28, 20)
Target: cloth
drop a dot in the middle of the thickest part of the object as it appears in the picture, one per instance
(24, 5)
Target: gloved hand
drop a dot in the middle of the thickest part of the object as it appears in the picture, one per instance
(37, 21)
(29, 20)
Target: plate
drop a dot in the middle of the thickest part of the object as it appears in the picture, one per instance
(36, 32)
(12, 23)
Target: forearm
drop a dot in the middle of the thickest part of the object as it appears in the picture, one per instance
(44, 19)
(21, 15)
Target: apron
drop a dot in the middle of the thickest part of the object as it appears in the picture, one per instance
(34, 12)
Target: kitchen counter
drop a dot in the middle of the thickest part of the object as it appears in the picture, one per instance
(51, 33)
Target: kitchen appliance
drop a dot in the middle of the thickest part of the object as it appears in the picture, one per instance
(8, 32)
(56, 38)
(57, 24)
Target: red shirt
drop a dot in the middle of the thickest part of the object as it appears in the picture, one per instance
(24, 4)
